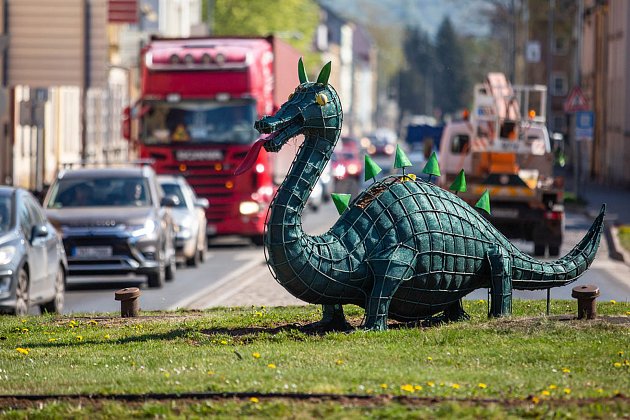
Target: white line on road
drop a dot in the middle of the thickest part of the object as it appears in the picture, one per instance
(191, 302)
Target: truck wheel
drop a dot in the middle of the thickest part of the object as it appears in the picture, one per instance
(554, 250)
(55, 306)
(539, 250)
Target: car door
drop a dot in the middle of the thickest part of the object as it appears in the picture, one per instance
(50, 244)
(36, 248)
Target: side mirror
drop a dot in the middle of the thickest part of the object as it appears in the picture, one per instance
(39, 231)
(169, 201)
(202, 202)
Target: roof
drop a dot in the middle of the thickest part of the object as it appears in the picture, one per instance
(125, 171)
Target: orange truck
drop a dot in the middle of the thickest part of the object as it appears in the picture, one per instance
(504, 147)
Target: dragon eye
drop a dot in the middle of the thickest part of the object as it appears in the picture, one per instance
(321, 99)
(290, 96)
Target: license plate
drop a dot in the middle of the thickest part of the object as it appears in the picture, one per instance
(93, 251)
(507, 213)
(214, 155)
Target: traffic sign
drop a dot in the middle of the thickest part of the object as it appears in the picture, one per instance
(584, 122)
(576, 101)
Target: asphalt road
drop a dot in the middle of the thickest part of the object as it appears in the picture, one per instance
(235, 274)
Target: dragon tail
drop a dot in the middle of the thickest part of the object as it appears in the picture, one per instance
(529, 273)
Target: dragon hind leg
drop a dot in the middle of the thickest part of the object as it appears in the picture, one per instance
(333, 319)
(455, 312)
(500, 282)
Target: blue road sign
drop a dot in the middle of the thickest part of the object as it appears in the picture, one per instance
(584, 122)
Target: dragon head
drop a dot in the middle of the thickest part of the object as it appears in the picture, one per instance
(314, 107)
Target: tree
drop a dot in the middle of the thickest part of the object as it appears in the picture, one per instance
(293, 20)
(451, 82)
(415, 92)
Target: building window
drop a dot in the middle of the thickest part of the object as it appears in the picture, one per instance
(559, 84)
(559, 124)
(560, 46)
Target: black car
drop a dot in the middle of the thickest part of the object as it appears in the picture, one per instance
(114, 221)
(32, 259)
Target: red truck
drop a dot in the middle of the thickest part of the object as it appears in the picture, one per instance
(198, 102)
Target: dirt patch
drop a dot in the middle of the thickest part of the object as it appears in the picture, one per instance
(117, 320)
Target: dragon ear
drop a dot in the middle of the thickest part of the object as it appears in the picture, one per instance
(301, 72)
(324, 74)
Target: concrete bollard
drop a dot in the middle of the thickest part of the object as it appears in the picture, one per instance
(586, 295)
(129, 305)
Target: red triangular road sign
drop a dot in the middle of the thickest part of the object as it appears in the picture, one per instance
(576, 101)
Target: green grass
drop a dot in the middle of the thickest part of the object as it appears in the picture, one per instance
(624, 236)
(507, 360)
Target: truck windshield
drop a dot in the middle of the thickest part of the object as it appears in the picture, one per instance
(198, 122)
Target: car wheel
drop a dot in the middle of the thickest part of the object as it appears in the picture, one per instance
(156, 280)
(22, 297)
(56, 304)
(203, 252)
(194, 260)
(171, 268)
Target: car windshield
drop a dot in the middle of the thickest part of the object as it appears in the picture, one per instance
(198, 122)
(100, 192)
(175, 190)
(5, 213)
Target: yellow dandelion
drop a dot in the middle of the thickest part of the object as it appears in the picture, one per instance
(455, 386)
(339, 362)
(613, 301)
(627, 312)
(617, 364)
(600, 390)
(256, 355)
(535, 400)
(430, 384)
(481, 301)
(626, 362)
(50, 340)
(384, 386)
(407, 388)
(417, 387)
(210, 373)
(271, 366)
(567, 391)
(92, 322)
(482, 385)
(566, 370)
(24, 330)
(22, 350)
(619, 353)
(23, 321)
(79, 337)
(429, 358)
(546, 393)
(553, 386)
(223, 342)
(106, 336)
(167, 375)
(254, 400)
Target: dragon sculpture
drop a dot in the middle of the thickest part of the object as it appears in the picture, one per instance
(403, 249)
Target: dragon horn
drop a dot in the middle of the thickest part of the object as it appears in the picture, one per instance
(324, 74)
(301, 72)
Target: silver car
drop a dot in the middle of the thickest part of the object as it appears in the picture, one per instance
(33, 263)
(189, 217)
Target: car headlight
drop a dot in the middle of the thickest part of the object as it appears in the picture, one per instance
(148, 228)
(248, 207)
(6, 254)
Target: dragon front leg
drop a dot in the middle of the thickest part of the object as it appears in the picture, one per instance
(389, 273)
(500, 282)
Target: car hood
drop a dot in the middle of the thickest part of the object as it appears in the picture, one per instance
(179, 214)
(100, 216)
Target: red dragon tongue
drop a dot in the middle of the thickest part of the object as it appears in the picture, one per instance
(251, 157)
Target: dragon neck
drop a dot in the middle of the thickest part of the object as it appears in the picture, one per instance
(292, 195)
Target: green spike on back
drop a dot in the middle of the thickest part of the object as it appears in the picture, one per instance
(432, 167)
(401, 161)
(301, 72)
(484, 202)
(341, 201)
(371, 168)
(324, 74)
(459, 185)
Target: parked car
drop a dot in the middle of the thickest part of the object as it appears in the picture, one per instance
(382, 142)
(33, 263)
(114, 221)
(191, 242)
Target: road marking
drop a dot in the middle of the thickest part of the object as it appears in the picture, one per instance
(191, 302)
(218, 300)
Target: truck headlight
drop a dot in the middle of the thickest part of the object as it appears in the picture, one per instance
(6, 254)
(248, 207)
